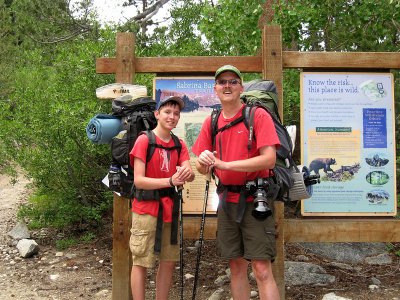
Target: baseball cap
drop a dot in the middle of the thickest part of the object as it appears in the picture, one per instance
(178, 99)
(228, 68)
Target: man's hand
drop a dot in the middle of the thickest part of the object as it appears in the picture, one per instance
(207, 158)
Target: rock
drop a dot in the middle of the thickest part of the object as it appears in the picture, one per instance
(299, 273)
(27, 248)
(302, 258)
(188, 276)
(341, 265)
(221, 280)
(198, 243)
(373, 287)
(19, 232)
(102, 294)
(54, 277)
(253, 294)
(228, 272)
(376, 281)
(217, 295)
(346, 252)
(332, 296)
(381, 259)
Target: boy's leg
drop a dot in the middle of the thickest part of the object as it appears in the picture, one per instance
(164, 279)
(168, 257)
(138, 282)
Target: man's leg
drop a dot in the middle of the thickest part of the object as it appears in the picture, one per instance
(240, 286)
(164, 279)
(266, 284)
(138, 281)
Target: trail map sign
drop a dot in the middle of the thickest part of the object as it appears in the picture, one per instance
(199, 97)
(347, 135)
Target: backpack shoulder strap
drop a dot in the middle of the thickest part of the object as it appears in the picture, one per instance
(249, 114)
(178, 145)
(153, 144)
(214, 125)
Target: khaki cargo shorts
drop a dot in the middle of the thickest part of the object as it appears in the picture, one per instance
(142, 238)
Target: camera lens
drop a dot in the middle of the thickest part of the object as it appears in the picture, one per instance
(261, 209)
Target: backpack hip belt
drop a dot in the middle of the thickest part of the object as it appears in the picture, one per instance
(145, 195)
(156, 195)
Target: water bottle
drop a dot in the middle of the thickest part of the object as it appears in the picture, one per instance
(114, 178)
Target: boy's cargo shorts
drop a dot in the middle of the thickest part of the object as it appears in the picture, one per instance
(142, 239)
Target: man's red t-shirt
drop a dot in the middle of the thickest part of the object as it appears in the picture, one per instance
(231, 145)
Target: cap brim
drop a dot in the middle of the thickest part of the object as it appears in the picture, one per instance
(177, 99)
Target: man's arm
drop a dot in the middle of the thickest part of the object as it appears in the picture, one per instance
(266, 160)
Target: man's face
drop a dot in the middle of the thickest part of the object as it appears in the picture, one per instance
(228, 87)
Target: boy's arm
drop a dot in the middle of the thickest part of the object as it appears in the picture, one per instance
(147, 183)
(185, 172)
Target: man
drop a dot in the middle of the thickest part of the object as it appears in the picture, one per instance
(241, 238)
(154, 179)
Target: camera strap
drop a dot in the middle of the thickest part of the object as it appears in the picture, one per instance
(242, 191)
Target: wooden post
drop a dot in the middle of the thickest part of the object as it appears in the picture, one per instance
(272, 69)
(121, 256)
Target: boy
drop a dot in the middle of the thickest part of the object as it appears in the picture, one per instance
(157, 179)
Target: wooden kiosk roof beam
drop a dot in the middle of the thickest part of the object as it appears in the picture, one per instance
(249, 64)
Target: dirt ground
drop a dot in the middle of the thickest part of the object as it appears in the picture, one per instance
(85, 271)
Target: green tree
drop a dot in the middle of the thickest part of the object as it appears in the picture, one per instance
(49, 97)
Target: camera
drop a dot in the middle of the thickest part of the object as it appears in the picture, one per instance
(258, 188)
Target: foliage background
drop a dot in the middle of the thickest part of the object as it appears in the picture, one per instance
(48, 78)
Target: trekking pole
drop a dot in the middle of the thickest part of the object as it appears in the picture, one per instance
(203, 219)
(179, 189)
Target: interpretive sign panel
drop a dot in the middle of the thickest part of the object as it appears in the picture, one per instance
(199, 97)
(347, 134)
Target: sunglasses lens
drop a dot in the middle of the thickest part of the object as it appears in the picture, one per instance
(230, 82)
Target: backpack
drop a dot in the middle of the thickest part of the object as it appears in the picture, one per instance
(262, 94)
(136, 115)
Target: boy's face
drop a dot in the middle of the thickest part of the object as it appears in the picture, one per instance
(168, 115)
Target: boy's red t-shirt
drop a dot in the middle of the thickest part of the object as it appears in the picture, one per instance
(162, 165)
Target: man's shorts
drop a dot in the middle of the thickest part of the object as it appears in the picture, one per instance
(250, 239)
(142, 239)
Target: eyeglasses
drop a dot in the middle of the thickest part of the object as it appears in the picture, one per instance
(223, 82)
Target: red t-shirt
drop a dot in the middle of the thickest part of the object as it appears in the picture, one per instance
(162, 165)
(231, 144)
